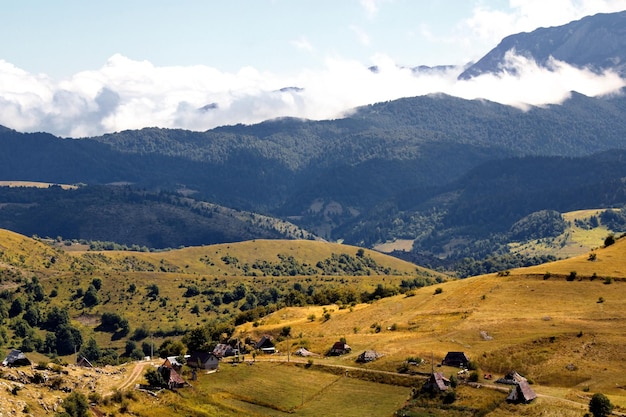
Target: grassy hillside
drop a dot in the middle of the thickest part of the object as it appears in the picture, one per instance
(566, 336)
(563, 331)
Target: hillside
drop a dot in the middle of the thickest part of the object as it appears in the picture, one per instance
(133, 217)
(563, 333)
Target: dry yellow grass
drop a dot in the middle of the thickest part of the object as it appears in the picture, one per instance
(553, 330)
(34, 184)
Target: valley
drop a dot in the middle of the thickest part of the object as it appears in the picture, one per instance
(564, 333)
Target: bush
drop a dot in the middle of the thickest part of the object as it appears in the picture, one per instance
(76, 405)
(600, 406)
(449, 397)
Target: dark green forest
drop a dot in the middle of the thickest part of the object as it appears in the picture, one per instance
(434, 169)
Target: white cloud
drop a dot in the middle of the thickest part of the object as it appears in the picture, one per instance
(129, 94)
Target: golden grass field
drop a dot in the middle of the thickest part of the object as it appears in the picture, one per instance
(567, 336)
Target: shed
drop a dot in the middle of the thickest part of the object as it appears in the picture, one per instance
(303, 352)
(521, 393)
(173, 362)
(224, 349)
(265, 345)
(339, 348)
(16, 358)
(368, 356)
(512, 378)
(436, 382)
(84, 362)
(173, 379)
(203, 360)
(457, 359)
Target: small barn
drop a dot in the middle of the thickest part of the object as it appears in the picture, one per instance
(203, 360)
(265, 345)
(84, 362)
(512, 378)
(223, 350)
(521, 393)
(173, 362)
(436, 383)
(304, 353)
(456, 359)
(368, 356)
(339, 348)
(16, 358)
(173, 379)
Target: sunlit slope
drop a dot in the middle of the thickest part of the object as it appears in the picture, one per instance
(560, 333)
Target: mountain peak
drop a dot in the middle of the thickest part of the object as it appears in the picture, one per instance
(596, 42)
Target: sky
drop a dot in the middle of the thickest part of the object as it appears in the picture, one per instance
(79, 68)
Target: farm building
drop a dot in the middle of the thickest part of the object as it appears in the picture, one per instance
(339, 348)
(16, 358)
(512, 378)
(173, 379)
(522, 393)
(82, 361)
(173, 362)
(203, 360)
(303, 352)
(457, 359)
(265, 345)
(368, 356)
(223, 350)
(436, 382)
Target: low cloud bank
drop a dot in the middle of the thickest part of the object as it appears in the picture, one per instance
(128, 94)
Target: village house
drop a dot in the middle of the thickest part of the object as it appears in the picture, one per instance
(265, 345)
(173, 378)
(16, 358)
(339, 348)
(368, 356)
(436, 383)
(456, 359)
(203, 360)
(522, 393)
(223, 350)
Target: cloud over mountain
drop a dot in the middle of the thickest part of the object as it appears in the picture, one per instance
(130, 94)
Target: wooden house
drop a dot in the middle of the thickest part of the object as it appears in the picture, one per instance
(173, 378)
(339, 348)
(436, 383)
(16, 358)
(84, 362)
(456, 359)
(223, 350)
(521, 393)
(368, 356)
(265, 345)
(512, 378)
(203, 360)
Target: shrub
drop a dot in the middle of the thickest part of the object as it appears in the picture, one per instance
(449, 397)
(600, 405)
(76, 405)
(438, 290)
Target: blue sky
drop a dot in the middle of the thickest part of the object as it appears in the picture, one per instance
(76, 67)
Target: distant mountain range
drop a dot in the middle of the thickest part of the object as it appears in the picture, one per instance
(595, 42)
(433, 168)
